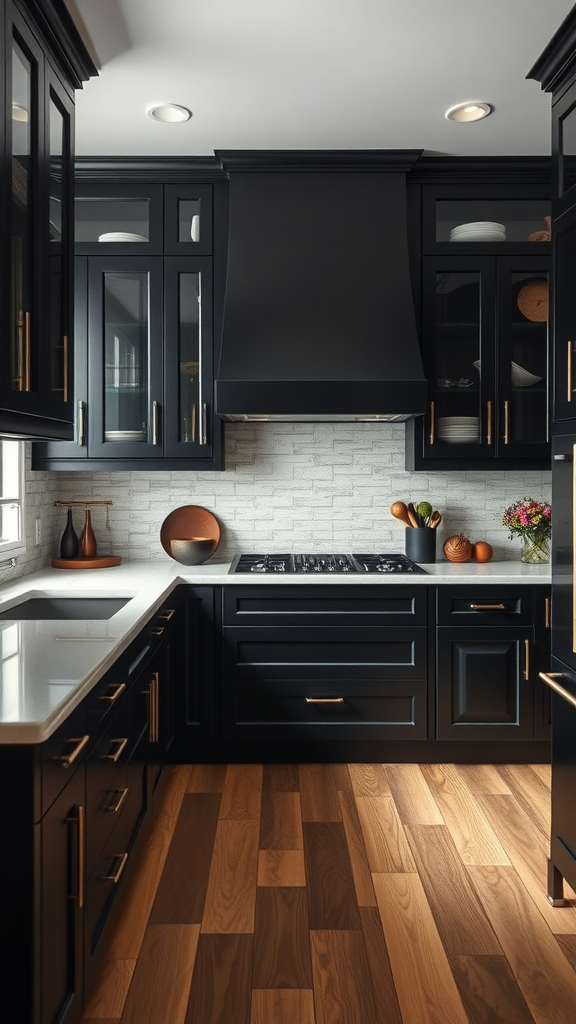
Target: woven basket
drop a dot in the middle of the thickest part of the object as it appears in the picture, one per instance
(533, 300)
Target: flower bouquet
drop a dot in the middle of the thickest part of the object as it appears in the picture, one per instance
(532, 522)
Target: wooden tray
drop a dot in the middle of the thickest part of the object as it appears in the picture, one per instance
(99, 562)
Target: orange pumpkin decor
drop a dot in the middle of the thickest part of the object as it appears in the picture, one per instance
(458, 548)
(482, 551)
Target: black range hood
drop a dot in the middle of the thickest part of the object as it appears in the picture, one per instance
(318, 318)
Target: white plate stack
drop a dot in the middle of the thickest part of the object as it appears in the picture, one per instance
(479, 231)
(121, 236)
(459, 429)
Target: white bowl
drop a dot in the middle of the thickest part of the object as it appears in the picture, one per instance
(521, 378)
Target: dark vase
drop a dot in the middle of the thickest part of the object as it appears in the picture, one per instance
(69, 541)
(87, 544)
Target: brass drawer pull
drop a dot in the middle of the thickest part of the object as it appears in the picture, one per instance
(550, 679)
(157, 631)
(488, 607)
(111, 697)
(116, 807)
(68, 759)
(324, 700)
(167, 615)
(121, 741)
(80, 820)
(116, 878)
(526, 659)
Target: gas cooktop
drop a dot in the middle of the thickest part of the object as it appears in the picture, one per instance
(324, 563)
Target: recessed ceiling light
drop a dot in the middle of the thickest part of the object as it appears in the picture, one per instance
(471, 111)
(169, 113)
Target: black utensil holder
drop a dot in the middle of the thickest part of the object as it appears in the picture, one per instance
(421, 544)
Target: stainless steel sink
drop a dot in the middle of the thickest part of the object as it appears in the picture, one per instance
(65, 608)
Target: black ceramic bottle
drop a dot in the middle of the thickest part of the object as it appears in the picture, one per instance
(69, 542)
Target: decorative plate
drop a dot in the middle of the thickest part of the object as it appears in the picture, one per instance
(188, 523)
(533, 300)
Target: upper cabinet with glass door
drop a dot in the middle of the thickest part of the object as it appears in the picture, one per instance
(484, 329)
(36, 364)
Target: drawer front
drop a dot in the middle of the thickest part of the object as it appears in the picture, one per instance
(62, 753)
(315, 605)
(311, 653)
(485, 605)
(106, 782)
(328, 711)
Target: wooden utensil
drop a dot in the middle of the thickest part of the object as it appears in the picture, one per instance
(435, 520)
(413, 515)
(399, 511)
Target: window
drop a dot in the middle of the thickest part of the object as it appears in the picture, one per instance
(12, 530)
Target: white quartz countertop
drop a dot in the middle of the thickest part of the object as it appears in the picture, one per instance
(48, 666)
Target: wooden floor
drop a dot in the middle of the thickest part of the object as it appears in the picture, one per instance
(344, 894)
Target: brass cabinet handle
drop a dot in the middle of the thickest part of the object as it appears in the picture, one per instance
(155, 687)
(569, 372)
(68, 759)
(506, 422)
(155, 432)
(81, 409)
(27, 356)
(65, 369)
(121, 741)
(489, 422)
(116, 807)
(324, 700)
(111, 697)
(488, 607)
(193, 422)
(547, 613)
(526, 659)
(80, 821)
(156, 631)
(116, 877)
(204, 433)
(559, 458)
(432, 437)
(167, 615)
(550, 679)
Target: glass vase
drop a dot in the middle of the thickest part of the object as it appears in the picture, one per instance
(535, 551)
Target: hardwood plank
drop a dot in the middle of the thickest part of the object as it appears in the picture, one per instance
(460, 919)
(483, 778)
(530, 792)
(182, 888)
(469, 827)
(546, 979)
(161, 982)
(281, 820)
(129, 933)
(330, 885)
(357, 850)
(544, 773)
(567, 944)
(385, 997)
(342, 985)
(281, 956)
(387, 848)
(489, 990)
(231, 891)
(369, 780)
(528, 853)
(319, 793)
(109, 997)
(242, 792)
(426, 989)
(207, 778)
(281, 1006)
(281, 867)
(281, 777)
(342, 780)
(413, 799)
(220, 989)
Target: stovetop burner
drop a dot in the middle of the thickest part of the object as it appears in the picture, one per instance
(325, 563)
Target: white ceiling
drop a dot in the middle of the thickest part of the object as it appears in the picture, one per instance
(314, 74)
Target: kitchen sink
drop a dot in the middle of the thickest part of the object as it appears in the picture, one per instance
(65, 608)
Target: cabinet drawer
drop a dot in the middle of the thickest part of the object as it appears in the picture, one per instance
(329, 710)
(325, 606)
(62, 753)
(480, 606)
(364, 653)
(106, 782)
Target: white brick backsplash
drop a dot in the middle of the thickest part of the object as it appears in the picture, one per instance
(287, 487)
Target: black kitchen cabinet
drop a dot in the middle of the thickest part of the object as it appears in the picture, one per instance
(484, 323)
(44, 61)
(144, 331)
(196, 673)
(561, 681)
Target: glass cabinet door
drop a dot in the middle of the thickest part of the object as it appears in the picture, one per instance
(188, 369)
(459, 357)
(125, 363)
(564, 320)
(523, 359)
(119, 220)
(188, 220)
(564, 149)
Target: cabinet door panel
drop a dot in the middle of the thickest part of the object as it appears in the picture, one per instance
(564, 313)
(482, 692)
